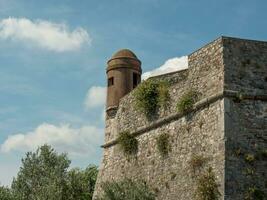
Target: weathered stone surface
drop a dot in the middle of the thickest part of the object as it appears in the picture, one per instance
(223, 131)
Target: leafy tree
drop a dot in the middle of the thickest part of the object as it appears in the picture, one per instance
(44, 175)
(5, 193)
(81, 183)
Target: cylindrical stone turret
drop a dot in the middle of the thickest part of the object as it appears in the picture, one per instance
(123, 75)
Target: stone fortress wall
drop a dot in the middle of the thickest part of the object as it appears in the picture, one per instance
(246, 120)
(221, 128)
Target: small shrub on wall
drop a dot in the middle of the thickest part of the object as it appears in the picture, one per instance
(163, 144)
(150, 95)
(187, 101)
(250, 158)
(126, 190)
(128, 143)
(164, 95)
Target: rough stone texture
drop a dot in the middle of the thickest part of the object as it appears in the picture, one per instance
(245, 121)
(216, 131)
(245, 65)
(246, 133)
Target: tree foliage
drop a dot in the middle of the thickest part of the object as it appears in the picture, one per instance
(5, 193)
(44, 175)
(81, 183)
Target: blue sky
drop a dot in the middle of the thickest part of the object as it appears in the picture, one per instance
(53, 56)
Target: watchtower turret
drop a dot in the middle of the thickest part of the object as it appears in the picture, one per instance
(123, 75)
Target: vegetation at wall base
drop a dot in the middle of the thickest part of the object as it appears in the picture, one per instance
(126, 189)
(207, 188)
(150, 95)
(187, 101)
(128, 143)
(163, 144)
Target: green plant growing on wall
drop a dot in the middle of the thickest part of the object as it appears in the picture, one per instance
(164, 95)
(196, 162)
(249, 171)
(254, 193)
(163, 144)
(207, 188)
(187, 101)
(250, 158)
(128, 143)
(150, 95)
(126, 189)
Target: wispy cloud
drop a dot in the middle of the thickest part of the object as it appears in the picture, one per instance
(81, 141)
(171, 65)
(44, 34)
(96, 97)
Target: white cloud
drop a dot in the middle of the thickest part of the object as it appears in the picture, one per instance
(44, 34)
(171, 65)
(96, 97)
(82, 141)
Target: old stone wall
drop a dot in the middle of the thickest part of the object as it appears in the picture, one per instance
(246, 148)
(222, 129)
(200, 132)
(245, 119)
(172, 178)
(245, 65)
